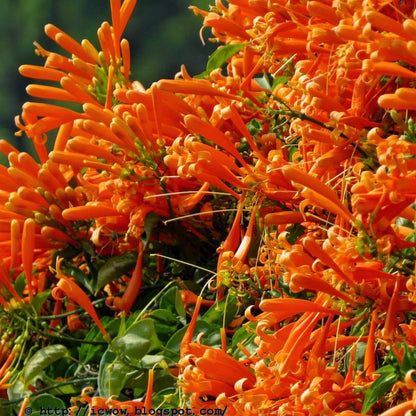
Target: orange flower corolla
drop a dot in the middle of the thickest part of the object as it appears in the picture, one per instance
(76, 294)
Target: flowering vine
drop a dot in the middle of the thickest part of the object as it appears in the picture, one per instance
(242, 239)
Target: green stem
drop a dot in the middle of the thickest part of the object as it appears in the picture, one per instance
(71, 339)
(158, 295)
(46, 389)
(75, 311)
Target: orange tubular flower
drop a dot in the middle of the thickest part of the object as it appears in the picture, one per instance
(198, 377)
(23, 406)
(76, 294)
(125, 303)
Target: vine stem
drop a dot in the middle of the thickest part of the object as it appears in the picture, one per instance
(48, 388)
(75, 311)
(70, 339)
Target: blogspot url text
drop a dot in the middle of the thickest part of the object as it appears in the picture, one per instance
(138, 411)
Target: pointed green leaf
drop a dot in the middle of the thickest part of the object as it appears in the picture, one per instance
(113, 375)
(222, 312)
(88, 352)
(137, 341)
(41, 359)
(150, 361)
(263, 82)
(174, 343)
(279, 80)
(295, 231)
(172, 301)
(165, 323)
(20, 283)
(150, 222)
(220, 57)
(40, 299)
(115, 267)
(408, 361)
(385, 369)
(243, 335)
(381, 386)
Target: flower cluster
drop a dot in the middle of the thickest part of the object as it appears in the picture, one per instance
(281, 179)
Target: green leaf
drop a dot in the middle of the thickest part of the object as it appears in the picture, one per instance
(67, 253)
(40, 299)
(150, 222)
(254, 127)
(41, 359)
(222, 54)
(408, 361)
(222, 312)
(410, 133)
(113, 375)
(5, 410)
(41, 403)
(174, 343)
(295, 231)
(165, 323)
(279, 80)
(17, 390)
(385, 369)
(212, 338)
(243, 335)
(20, 283)
(115, 267)
(149, 361)
(382, 385)
(172, 301)
(359, 355)
(359, 328)
(167, 398)
(165, 394)
(405, 222)
(292, 151)
(137, 341)
(59, 389)
(90, 352)
(220, 57)
(263, 82)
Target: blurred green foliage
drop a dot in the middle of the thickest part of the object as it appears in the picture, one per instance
(163, 35)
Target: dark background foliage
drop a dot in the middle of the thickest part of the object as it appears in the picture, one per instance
(163, 34)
